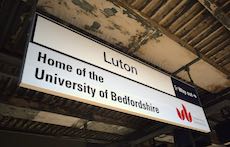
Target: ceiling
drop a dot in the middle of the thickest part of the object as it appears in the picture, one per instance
(188, 39)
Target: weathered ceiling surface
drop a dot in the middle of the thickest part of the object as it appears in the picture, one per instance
(165, 33)
(175, 36)
(100, 18)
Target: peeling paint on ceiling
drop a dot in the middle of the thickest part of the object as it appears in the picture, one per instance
(100, 18)
(109, 12)
(94, 27)
(84, 5)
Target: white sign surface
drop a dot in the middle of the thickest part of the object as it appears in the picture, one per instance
(80, 73)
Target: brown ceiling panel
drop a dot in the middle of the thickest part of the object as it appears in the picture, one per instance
(165, 10)
(196, 30)
(188, 15)
(214, 27)
(176, 13)
(187, 27)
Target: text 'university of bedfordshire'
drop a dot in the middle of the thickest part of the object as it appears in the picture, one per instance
(41, 74)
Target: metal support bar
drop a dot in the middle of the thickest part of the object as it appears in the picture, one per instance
(186, 66)
(189, 75)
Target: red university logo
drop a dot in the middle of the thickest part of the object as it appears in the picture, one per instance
(184, 114)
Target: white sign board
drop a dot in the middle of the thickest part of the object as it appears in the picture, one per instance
(61, 62)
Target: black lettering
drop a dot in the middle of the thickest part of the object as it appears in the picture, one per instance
(115, 63)
(49, 78)
(61, 81)
(113, 96)
(132, 102)
(55, 78)
(119, 99)
(41, 76)
(119, 63)
(69, 68)
(125, 100)
(105, 58)
(51, 62)
(133, 70)
(157, 110)
(126, 66)
(136, 103)
(68, 84)
(74, 85)
(41, 57)
(79, 87)
(140, 104)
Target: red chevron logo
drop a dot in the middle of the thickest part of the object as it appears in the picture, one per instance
(184, 114)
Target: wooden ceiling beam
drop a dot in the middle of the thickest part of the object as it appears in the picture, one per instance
(217, 12)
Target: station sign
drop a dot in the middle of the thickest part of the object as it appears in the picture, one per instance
(66, 63)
